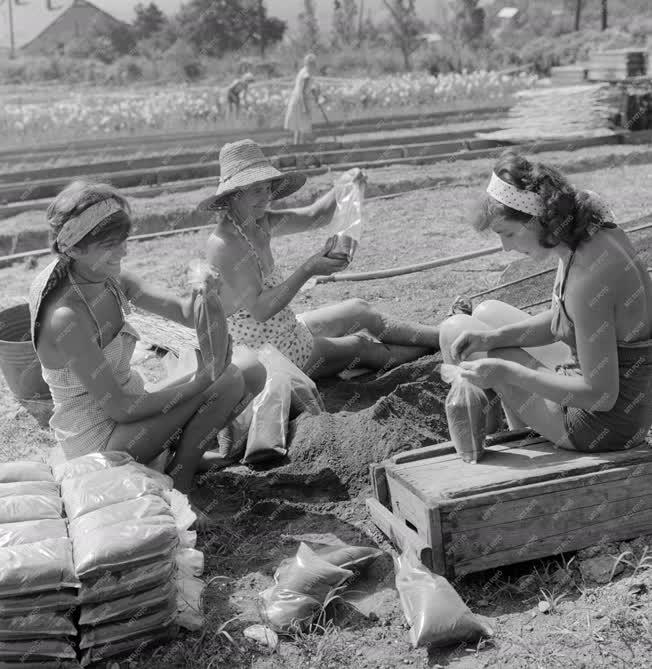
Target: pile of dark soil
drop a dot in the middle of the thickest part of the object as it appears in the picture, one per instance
(367, 420)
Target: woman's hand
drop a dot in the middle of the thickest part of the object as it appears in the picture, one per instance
(469, 342)
(321, 265)
(485, 373)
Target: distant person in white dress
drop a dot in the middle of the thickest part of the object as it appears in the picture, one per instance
(298, 117)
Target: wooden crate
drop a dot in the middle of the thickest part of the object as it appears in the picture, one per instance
(523, 500)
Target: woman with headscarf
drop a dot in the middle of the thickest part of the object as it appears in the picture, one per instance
(580, 372)
(78, 305)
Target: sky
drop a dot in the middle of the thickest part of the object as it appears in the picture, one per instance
(32, 17)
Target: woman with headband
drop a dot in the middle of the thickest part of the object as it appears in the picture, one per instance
(579, 373)
(77, 306)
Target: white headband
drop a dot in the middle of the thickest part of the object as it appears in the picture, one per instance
(521, 200)
(76, 228)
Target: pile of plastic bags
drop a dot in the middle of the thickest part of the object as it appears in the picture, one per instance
(132, 552)
(119, 572)
(38, 584)
(303, 584)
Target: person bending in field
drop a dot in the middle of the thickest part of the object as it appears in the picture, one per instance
(235, 94)
(256, 296)
(591, 390)
(78, 305)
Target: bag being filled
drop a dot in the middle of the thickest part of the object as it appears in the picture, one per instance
(466, 412)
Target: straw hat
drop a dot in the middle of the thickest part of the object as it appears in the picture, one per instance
(243, 164)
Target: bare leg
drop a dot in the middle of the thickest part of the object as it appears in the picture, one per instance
(332, 355)
(353, 315)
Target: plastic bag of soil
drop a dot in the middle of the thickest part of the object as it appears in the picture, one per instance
(89, 463)
(29, 507)
(134, 627)
(435, 612)
(286, 386)
(466, 412)
(47, 488)
(302, 586)
(101, 489)
(210, 319)
(36, 650)
(36, 625)
(31, 568)
(114, 585)
(349, 557)
(129, 510)
(128, 646)
(115, 547)
(125, 607)
(32, 531)
(57, 600)
(24, 470)
(347, 220)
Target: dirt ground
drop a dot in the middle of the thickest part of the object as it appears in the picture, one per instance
(262, 516)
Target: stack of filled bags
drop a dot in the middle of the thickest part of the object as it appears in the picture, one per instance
(132, 552)
(38, 585)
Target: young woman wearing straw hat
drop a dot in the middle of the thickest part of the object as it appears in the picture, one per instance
(584, 379)
(78, 305)
(255, 295)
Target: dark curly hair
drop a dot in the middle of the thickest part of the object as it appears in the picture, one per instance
(569, 217)
(76, 198)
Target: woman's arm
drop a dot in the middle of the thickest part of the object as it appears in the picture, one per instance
(593, 315)
(159, 301)
(301, 219)
(241, 290)
(532, 331)
(76, 341)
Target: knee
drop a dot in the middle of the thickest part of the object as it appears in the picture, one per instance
(255, 377)
(451, 328)
(487, 308)
(358, 307)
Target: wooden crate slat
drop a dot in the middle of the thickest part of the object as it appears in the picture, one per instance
(535, 506)
(502, 467)
(636, 524)
(518, 533)
(544, 487)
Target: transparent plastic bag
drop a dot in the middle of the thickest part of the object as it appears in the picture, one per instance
(112, 585)
(24, 470)
(286, 386)
(118, 546)
(96, 490)
(137, 644)
(435, 612)
(32, 531)
(35, 650)
(29, 507)
(129, 510)
(125, 607)
(32, 568)
(136, 626)
(210, 319)
(47, 488)
(56, 600)
(348, 217)
(89, 463)
(302, 584)
(466, 412)
(36, 625)
(349, 557)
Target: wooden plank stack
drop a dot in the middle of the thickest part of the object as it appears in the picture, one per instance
(558, 112)
(566, 75)
(617, 64)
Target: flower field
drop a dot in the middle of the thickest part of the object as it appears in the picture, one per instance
(63, 113)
